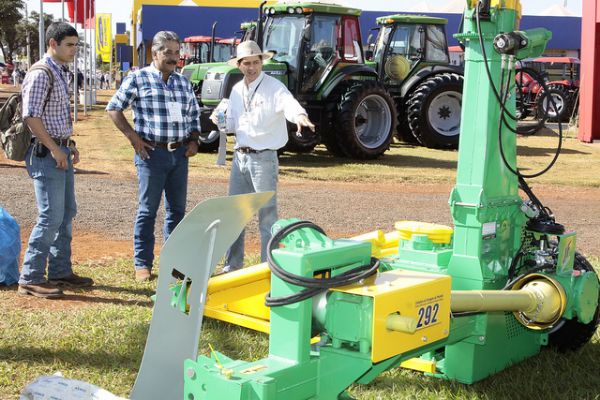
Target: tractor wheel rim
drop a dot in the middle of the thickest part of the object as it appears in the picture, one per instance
(560, 104)
(444, 113)
(372, 121)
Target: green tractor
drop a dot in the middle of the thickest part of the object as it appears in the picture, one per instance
(411, 58)
(318, 54)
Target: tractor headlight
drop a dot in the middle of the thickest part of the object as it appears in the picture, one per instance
(299, 10)
(290, 10)
(271, 11)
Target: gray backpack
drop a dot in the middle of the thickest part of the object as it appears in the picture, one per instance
(15, 136)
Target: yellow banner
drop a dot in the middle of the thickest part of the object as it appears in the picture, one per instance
(104, 36)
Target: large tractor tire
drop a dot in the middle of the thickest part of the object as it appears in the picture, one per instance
(332, 144)
(572, 334)
(210, 147)
(365, 120)
(562, 101)
(304, 144)
(433, 111)
(403, 131)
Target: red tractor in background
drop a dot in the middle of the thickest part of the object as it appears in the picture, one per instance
(560, 76)
(199, 49)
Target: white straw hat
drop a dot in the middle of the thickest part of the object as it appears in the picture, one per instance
(248, 48)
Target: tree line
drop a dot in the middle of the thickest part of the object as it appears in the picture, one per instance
(16, 30)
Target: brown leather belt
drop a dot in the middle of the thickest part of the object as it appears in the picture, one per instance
(59, 141)
(170, 146)
(247, 150)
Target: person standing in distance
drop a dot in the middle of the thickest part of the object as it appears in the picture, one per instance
(167, 128)
(258, 108)
(49, 163)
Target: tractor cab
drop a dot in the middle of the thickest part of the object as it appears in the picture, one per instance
(195, 50)
(307, 43)
(311, 41)
(407, 43)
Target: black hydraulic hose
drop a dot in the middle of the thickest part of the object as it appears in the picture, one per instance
(525, 187)
(312, 286)
(503, 110)
(523, 131)
(501, 147)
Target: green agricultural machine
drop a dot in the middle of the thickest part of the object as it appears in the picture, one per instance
(354, 113)
(411, 58)
(459, 303)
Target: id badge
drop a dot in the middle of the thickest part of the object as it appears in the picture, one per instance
(174, 109)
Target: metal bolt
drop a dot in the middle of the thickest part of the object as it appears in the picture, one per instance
(424, 338)
(191, 373)
(445, 331)
(481, 338)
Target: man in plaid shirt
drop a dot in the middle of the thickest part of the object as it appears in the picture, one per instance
(165, 134)
(49, 162)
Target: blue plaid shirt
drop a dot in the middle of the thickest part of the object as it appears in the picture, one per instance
(149, 96)
(56, 117)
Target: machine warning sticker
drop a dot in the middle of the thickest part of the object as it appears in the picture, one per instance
(488, 230)
(427, 311)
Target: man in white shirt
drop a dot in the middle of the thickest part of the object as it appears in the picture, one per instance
(258, 108)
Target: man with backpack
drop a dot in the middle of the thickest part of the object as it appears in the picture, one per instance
(49, 161)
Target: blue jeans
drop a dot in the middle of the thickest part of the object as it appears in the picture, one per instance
(166, 172)
(50, 239)
(250, 173)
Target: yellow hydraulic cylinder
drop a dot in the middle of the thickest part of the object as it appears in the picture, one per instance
(537, 302)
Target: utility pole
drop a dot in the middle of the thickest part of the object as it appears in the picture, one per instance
(27, 37)
(42, 35)
(75, 89)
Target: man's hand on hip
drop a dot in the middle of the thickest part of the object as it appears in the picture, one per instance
(192, 148)
(75, 154)
(140, 146)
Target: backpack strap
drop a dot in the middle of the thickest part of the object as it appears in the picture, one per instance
(50, 74)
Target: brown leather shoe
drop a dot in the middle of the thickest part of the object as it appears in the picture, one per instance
(72, 281)
(44, 290)
(143, 274)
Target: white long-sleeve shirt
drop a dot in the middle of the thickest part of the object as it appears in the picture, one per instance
(257, 113)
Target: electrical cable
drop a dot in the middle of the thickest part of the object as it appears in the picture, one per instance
(313, 286)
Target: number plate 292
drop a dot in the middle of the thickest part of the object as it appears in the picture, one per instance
(428, 315)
